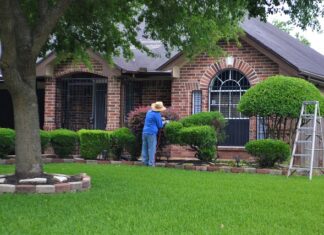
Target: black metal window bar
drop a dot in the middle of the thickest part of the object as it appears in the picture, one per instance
(225, 93)
(261, 128)
(81, 103)
(196, 101)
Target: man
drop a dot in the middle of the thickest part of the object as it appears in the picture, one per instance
(153, 122)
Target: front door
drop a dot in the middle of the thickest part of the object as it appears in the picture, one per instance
(225, 93)
(84, 103)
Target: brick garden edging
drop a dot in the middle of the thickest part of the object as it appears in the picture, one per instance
(76, 186)
(209, 168)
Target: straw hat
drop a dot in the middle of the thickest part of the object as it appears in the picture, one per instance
(158, 106)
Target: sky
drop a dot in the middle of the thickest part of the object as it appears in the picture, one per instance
(315, 38)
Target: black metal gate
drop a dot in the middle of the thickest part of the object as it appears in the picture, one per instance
(225, 93)
(81, 103)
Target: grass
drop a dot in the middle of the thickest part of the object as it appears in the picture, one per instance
(140, 200)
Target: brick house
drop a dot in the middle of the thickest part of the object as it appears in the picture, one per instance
(74, 96)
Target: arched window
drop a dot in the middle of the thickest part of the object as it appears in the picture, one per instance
(226, 91)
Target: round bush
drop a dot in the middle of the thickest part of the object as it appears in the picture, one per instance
(63, 142)
(202, 139)
(213, 119)
(121, 139)
(268, 152)
(93, 142)
(278, 96)
(45, 139)
(7, 141)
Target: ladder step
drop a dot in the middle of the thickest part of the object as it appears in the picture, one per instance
(305, 128)
(303, 141)
(310, 102)
(299, 168)
(314, 149)
(302, 155)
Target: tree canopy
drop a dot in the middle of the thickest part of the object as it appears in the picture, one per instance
(111, 27)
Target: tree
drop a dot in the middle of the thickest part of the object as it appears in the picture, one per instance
(29, 28)
(277, 101)
(287, 27)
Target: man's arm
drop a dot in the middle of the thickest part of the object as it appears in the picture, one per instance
(159, 122)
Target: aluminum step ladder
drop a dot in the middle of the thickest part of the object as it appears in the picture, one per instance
(309, 132)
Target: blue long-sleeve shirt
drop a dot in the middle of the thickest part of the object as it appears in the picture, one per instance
(153, 122)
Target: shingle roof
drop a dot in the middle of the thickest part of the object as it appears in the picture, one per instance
(142, 60)
(302, 57)
(298, 55)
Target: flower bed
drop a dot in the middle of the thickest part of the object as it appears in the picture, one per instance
(83, 183)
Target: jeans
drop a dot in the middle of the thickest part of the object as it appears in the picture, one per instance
(148, 149)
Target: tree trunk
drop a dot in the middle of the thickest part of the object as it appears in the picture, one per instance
(25, 105)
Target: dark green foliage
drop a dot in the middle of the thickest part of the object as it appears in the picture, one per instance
(171, 131)
(278, 95)
(278, 101)
(200, 131)
(213, 119)
(268, 152)
(202, 139)
(93, 142)
(63, 142)
(110, 27)
(7, 141)
(45, 137)
(121, 139)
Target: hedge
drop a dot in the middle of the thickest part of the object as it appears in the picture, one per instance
(172, 130)
(45, 137)
(63, 141)
(268, 152)
(93, 142)
(213, 119)
(121, 139)
(7, 141)
(202, 139)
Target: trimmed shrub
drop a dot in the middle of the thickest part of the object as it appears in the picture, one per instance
(63, 142)
(93, 142)
(213, 119)
(278, 101)
(268, 152)
(202, 139)
(45, 137)
(121, 139)
(7, 141)
(171, 131)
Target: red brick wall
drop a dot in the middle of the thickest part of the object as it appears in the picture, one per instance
(113, 103)
(68, 67)
(50, 102)
(53, 102)
(148, 92)
(200, 72)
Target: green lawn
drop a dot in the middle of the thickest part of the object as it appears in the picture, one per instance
(140, 200)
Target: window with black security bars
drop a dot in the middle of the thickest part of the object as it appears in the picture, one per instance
(196, 101)
(225, 92)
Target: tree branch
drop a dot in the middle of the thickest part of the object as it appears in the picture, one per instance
(7, 33)
(47, 22)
